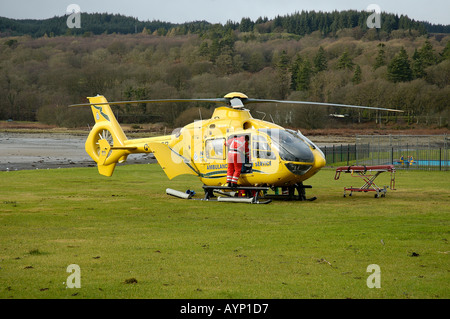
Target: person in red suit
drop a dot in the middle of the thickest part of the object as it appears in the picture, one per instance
(237, 152)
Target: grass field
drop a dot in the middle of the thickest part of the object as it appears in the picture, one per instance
(131, 240)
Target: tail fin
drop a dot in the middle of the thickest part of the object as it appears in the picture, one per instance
(106, 141)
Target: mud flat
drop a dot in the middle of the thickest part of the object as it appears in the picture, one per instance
(47, 150)
(24, 151)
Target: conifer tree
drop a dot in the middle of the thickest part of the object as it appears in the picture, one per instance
(423, 58)
(446, 53)
(294, 71)
(302, 71)
(357, 76)
(345, 61)
(282, 67)
(304, 76)
(246, 25)
(381, 57)
(427, 54)
(418, 65)
(399, 70)
(320, 61)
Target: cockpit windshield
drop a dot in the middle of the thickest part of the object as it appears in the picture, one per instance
(307, 141)
(290, 146)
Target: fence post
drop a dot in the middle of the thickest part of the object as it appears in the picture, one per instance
(440, 158)
(333, 153)
(392, 155)
(348, 153)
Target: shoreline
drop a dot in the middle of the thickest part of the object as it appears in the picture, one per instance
(29, 151)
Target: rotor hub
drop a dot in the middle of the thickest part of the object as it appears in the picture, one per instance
(236, 99)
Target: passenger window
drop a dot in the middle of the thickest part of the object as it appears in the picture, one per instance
(261, 149)
(214, 148)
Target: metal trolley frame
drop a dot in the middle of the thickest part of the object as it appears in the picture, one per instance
(368, 174)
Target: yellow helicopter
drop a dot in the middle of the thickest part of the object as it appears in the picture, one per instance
(278, 157)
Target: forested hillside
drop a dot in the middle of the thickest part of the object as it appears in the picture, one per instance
(316, 57)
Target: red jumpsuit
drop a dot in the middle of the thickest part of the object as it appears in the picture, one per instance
(237, 149)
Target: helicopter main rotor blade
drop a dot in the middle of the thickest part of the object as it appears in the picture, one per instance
(249, 101)
(238, 102)
(219, 100)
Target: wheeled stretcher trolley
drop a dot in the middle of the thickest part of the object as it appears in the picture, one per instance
(368, 174)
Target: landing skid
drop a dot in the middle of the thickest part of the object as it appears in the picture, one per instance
(246, 194)
(249, 194)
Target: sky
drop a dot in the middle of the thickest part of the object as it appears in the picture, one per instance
(220, 11)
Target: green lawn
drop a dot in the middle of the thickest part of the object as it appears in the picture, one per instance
(131, 240)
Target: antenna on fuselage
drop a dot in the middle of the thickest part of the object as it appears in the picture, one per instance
(263, 116)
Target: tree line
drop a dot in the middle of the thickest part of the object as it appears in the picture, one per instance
(300, 23)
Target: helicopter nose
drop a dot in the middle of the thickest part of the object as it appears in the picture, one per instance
(319, 159)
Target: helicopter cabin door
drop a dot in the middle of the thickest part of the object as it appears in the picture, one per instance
(247, 166)
(261, 149)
